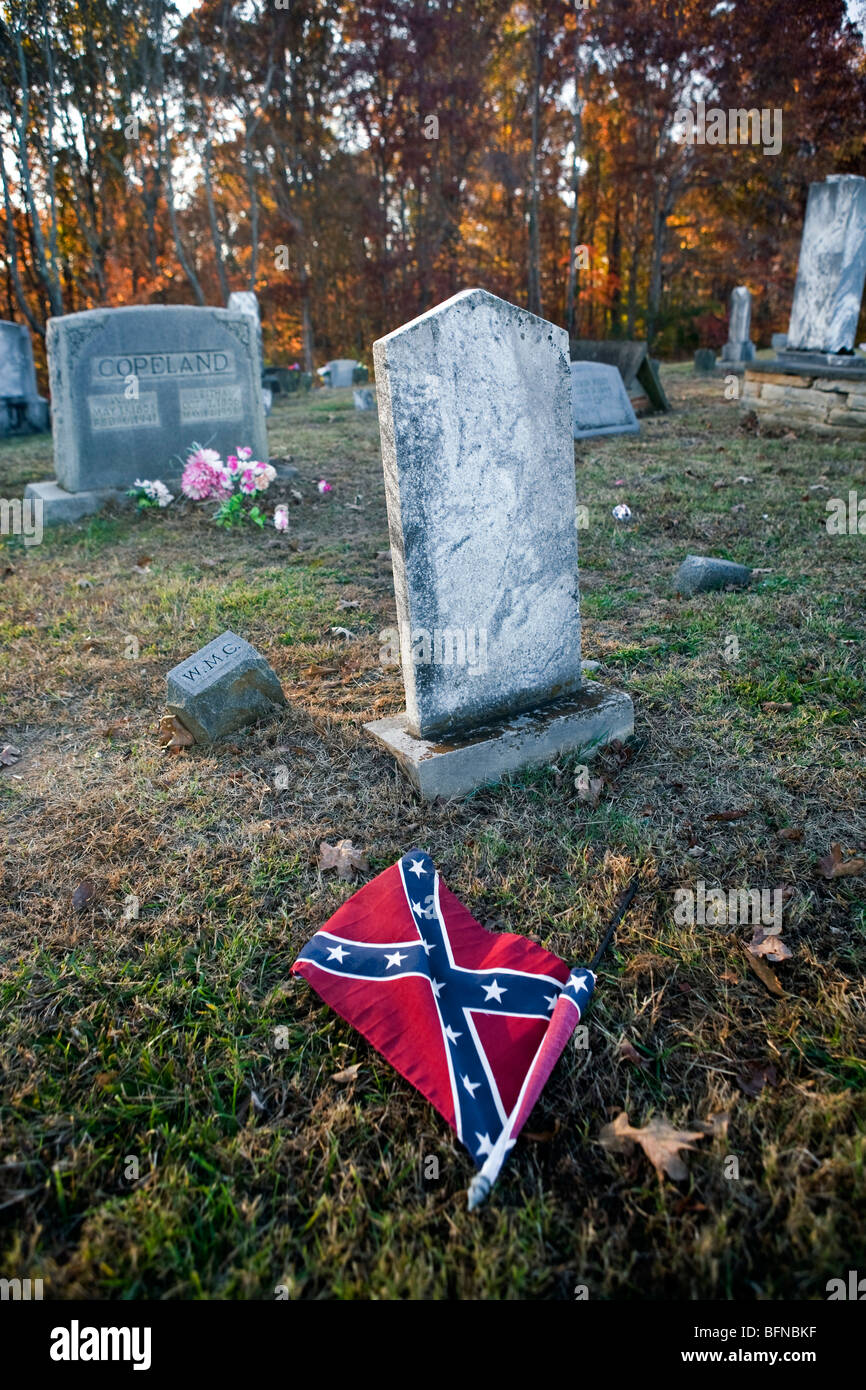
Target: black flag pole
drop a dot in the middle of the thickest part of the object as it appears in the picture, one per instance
(624, 904)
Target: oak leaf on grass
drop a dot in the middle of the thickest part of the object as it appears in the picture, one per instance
(345, 857)
(660, 1142)
(832, 865)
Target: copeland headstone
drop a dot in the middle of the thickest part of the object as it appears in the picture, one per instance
(133, 389)
(22, 409)
(247, 302)
(475, 412)
(599, 401)
(832, 267)
(739, 347)
(224, 686)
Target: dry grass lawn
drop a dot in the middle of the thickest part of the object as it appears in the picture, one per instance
(170, 1126)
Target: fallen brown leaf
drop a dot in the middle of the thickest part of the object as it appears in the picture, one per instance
(628, 1051)
(173, 735)
(754, 1077)
(348, 1073)
(775, 706)
(767, 942)
(728, 815)
(9, 755)
(763, 972)
(659, 1140)
(344, 857)
(794, 833)
(84, 893)
(832, 865)
(111, 729)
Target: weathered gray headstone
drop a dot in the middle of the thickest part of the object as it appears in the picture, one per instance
(778, 340)
(832, 267)
(340, 372)
(599, 401)
(132, 389)
(22, 409)
(632, 359)
(247, 302)
(700, 573)
(705, 360)
(364, 398)
(476, 425)
(222, 687)
(739, 347)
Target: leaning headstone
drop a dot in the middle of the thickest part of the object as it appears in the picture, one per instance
(475, 409)
(739, 347)
(133, 389)
(700, 573)
(832, 267)
(364, 398)
(633, 361)
(340, 372)
(705, 360)
(223, 687)
(599, 401)
(247, 302)
(22, 409)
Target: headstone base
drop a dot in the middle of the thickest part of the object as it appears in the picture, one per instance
(59, 506)
(455, 767)
(825, 400)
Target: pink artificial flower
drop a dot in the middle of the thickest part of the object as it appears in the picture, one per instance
(281, 518)
(244, 451)
(249, 481)
(323, 486)
(204, 476)
(233, 463)
(265, 475)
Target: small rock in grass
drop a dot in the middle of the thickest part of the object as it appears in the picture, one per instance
(700, 573)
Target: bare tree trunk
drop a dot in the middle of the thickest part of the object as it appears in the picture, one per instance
(572, 294)
(534, 248)
(12, 255)
(47, 274)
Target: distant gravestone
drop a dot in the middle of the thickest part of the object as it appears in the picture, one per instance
(133, 389)
(223, 687)
(247, 302)
(699, 574)
(599, 401)
(631, 358)
(22, 409)
(267, 399)
(705, 360)
(779, 340)
(739, 347)
(364, 398)
(832, 267)
(475, 404)
(340, 372)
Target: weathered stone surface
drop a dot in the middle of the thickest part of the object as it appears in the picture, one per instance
(59, 506)
(739, 347)
(247, 302)
(778, 341)
(364, 398)
(340, 372)
(132, 389)
(223, 687)
(586, 721)
(632, 360)
(599, 401)
(475, 417)
(23, 410)
(700, 573)
(832, 267)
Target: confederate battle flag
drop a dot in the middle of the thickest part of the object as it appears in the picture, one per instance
(474, 1019)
